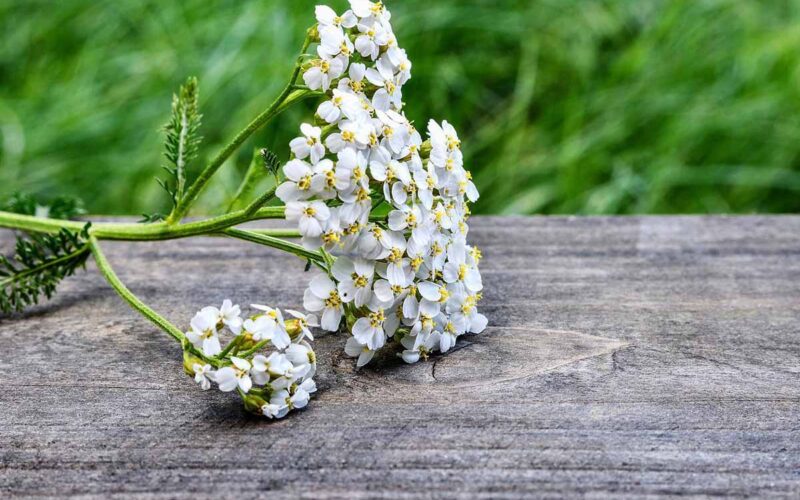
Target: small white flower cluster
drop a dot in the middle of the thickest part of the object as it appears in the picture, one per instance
(271, 384)
(411, 275)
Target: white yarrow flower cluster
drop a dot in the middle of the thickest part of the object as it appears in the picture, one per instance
(411, 275)
(268, 361)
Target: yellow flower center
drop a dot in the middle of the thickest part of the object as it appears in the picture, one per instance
(453, 142)
(362, 195)
(304, 184)
(348, 136)
(395, 255)
(476, 254)
(330, 179)
(356, 86)
(376, 318)
(359, 281)
(353, 228)
(333, 301)
(309, 212)
(331, 237)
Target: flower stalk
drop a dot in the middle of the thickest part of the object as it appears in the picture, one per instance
(379, 210)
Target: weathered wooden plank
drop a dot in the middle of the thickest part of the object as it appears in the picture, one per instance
(627, 357)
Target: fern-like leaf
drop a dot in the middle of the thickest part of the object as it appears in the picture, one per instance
(40, 262)
(182, 139)
(271, 161)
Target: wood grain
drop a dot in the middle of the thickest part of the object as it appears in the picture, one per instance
(626, 357)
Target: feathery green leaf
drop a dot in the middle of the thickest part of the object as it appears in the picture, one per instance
(182, 139)
(40, 262)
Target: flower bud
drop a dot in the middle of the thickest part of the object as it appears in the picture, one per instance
(253, 403)
(313, 33)
(189, 360)
(425, 149)
(294, 327)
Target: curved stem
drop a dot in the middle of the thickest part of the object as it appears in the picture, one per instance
(286, 98)
(123, 291)
(278, 243)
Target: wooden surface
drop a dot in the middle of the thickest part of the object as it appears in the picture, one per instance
(626, 357)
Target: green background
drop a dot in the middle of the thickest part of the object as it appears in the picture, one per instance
(615, 106)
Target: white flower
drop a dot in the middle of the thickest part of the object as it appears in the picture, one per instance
(203, 375)
(464, 313)
(366, 9)
(421, 344)
(322, 295)
(311, 216)
(303, 359)
(389, 93)
(230, 315)
(355, 279)
(308, 145)
(279, 409)
(302, 394)
(412, 268)
(354, 82)
(276, 365)
(372, 37)
(397, 265)
(333, 42)
(432, 297)
(353, 133)
(268, 326)
(322, 72)
(456, 270)
(324, 181)
(238, 375)
(351, 173)
(304, 321)
(327, 17)
(369, 329)
(203, 334)
(298, 185)
(355, 349)
(341, 104)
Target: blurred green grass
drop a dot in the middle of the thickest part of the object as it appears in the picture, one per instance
(611, 106)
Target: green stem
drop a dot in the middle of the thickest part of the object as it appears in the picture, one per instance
(273, 242)
(128, 296)
(11, 220)
(233, 343)
(254, 349)
(139, 232)
(284, 100)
